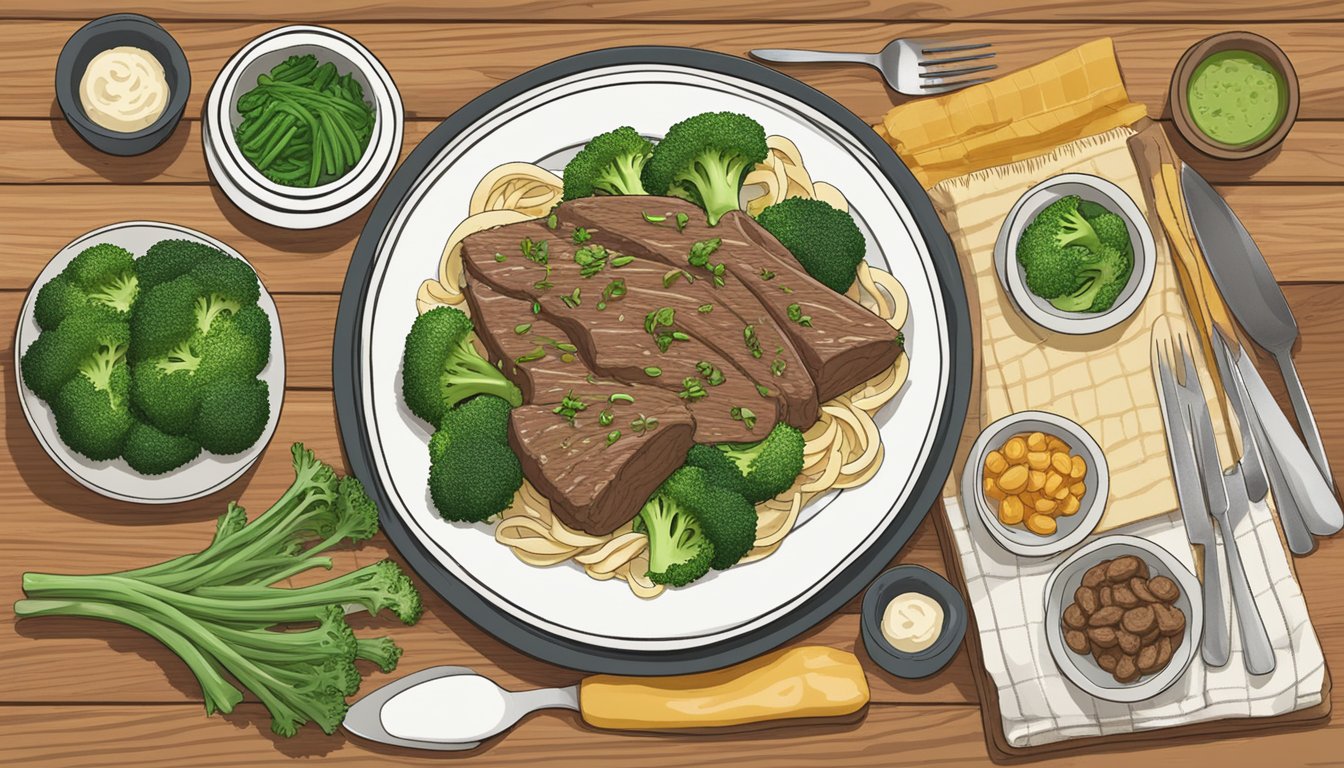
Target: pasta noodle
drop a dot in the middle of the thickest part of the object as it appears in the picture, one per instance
(842, 450)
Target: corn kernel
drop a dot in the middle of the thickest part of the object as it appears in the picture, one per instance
(1078, 489)
(1069, 506)
(1078, 468)
(1015, 450)
(1043, 525)
(1035, 480)
(1010, 511)
(1045, 506)
(992, 490)
(1060, 462)
(1038, 460)
(1063, 491)
(1055, 444)
(996, 464)
(1014, 480)
(1052, 484)
(1036, 441)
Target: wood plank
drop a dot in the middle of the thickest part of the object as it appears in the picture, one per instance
(439, 67)
(78, 736)
(1297, 227)
(656, 10)
(34, 151)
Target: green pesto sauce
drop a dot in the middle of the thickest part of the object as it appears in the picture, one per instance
(1237, 97)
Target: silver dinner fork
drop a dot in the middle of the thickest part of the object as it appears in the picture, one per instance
(911, 67)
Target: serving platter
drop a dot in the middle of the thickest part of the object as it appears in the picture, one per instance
(839, 544)
(115, 479)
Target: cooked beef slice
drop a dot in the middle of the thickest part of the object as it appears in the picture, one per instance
(843, 346)
(610, 445)
(621, 339)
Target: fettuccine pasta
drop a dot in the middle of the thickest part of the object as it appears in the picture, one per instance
(842, 450)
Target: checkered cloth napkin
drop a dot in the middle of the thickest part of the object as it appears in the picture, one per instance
(1040, 706)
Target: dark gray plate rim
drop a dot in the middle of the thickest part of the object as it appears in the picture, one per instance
(562, 651)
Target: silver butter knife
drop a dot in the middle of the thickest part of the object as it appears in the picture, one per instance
(1253, 437)
(1215, 646)
(1255, 646)
(1244, 279)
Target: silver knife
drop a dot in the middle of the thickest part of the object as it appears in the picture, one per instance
(1257, 652)
(1244, 279)
(1215, 647)
(1295, 530)
(1313, 497)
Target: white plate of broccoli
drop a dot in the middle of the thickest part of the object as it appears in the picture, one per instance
(150, 364)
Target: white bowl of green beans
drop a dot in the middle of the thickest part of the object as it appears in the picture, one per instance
(303, 126)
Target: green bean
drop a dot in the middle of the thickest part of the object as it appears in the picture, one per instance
(315, 164)
(275, 149)
(263, 137)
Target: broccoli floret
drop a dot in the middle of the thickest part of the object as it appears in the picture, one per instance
(704, 159)
(92, 410)
(679, 551)
(1065, 260)
(102, 275)
(768, 468)
(1102, 278)
(55, 356)
(440, 369)
(1113, 233)
(609, 164)
(164, 390)
(824, 240)
(233, 346)
(472, 483)
(481, 418)
(438, 445)
(719, 469)
(725, 518)
(170, 259)
(232, 413)
(151, 452)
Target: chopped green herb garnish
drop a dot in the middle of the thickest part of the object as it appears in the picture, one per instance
(682, 220)
(786, 289)
(552, 221)
(580, 236)
(712, 375)
(797, 316)
(671, 276)
(620, 397)
(536, 354)
(591, 260)
(564, 346)
(569, 407)
(621, 261)
(692, 389)
(567, 358)
(655, 324)
(573, 299)
(644, 424)
(701, 250)
(605, 417)
(744, 415)
(613, 436)
(764, 391)
(753, 343)
(653, 219)
(499, 257)
(653, 371)
(767, 274)
(536, 307)
(900, 338)
(601, 305)
(543, 285)
(777, 367)
(536, 252)
(705, 309)
(523, 328)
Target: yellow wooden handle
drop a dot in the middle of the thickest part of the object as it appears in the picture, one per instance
(807, 682)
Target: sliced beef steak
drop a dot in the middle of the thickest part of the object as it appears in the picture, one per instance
(628, 326)
(605, 451)
(843, 346)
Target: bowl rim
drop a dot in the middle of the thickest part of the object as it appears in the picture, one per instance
(973, 493)
(1144, 687)
(1077, 323)
(81, 40)
(912, 666)
(1178, 93)
(382, 94)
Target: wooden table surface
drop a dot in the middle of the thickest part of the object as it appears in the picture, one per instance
(82, 693)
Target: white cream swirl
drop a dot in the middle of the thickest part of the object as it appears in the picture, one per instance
(124, 89)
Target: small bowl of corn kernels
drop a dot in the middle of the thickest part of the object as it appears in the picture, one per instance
(1037, 481)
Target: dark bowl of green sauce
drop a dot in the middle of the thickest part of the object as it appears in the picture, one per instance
(1234, 95)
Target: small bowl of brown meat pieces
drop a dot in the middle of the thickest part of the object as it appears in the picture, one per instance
(1122, 618)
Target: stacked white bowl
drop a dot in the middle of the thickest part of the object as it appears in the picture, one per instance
(301, 207)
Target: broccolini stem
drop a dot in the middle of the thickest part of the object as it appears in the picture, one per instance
(219, 694)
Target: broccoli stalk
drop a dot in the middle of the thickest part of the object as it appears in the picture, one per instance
(1102, 278)
(440, 368)
(609, 164)
(1075, 230)
(214, 609)
(704, 159)
(679, 551)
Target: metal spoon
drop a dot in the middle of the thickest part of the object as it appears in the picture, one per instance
(418, 711)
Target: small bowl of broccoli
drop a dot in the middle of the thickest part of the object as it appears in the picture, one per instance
(1076, 254)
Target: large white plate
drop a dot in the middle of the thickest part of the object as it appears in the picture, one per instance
(559, 613)
(115, 479)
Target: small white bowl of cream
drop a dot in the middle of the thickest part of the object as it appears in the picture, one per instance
(913, 621)
(122, 83)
